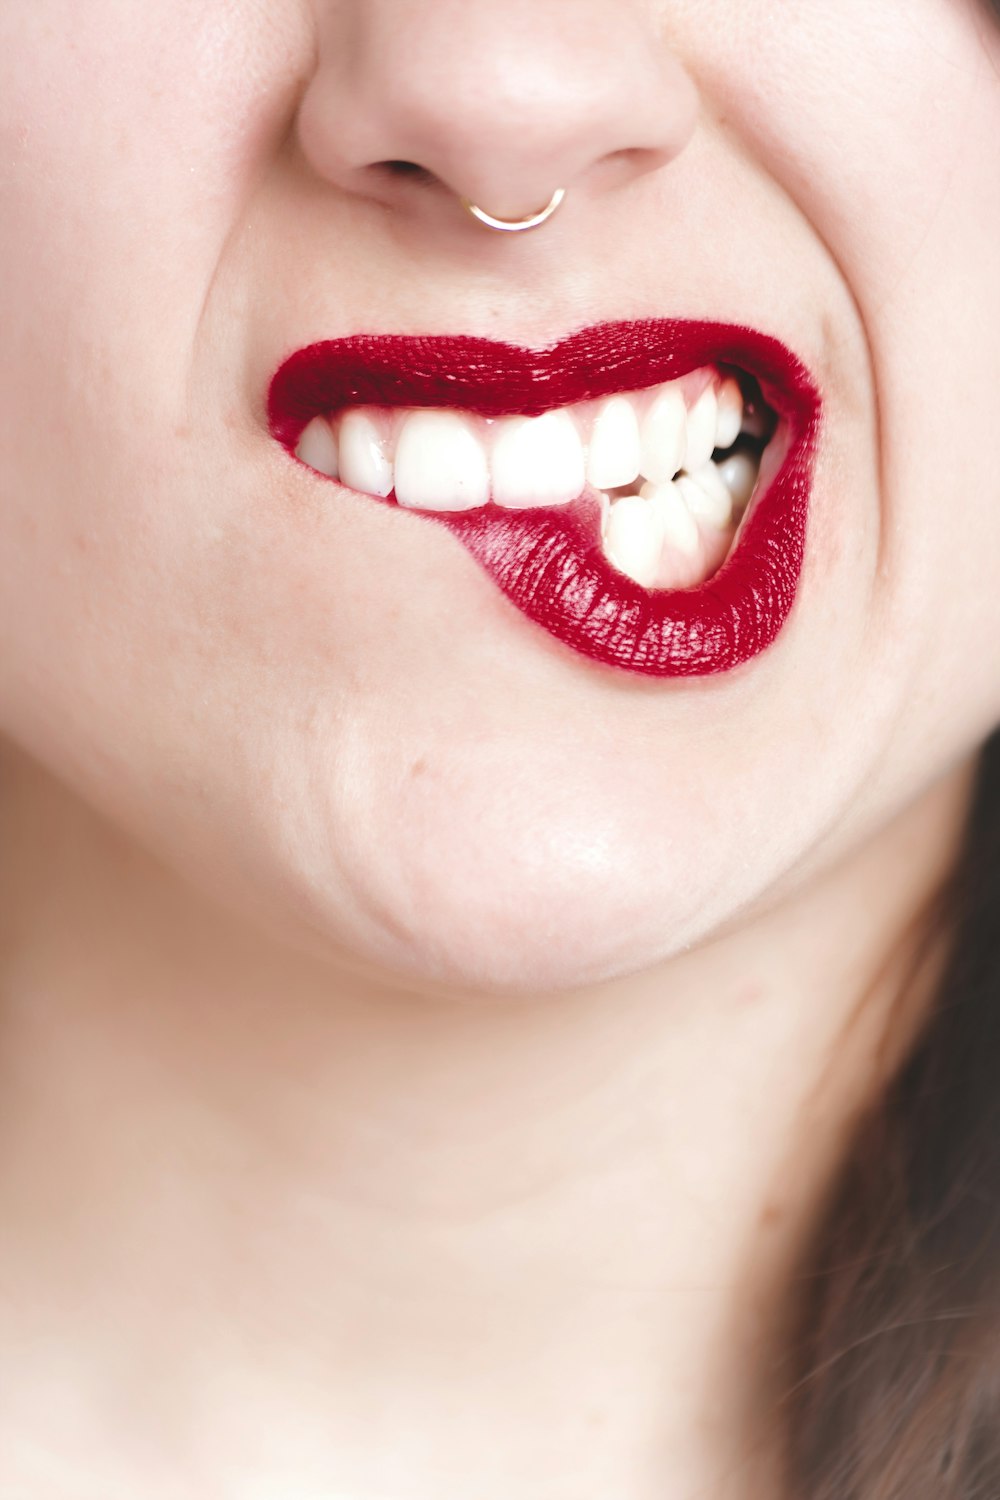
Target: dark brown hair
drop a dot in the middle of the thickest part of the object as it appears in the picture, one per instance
(896, 1364)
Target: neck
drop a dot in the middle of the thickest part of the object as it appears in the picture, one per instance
(364, 1236)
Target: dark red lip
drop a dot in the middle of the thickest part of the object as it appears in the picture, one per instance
(548, 562)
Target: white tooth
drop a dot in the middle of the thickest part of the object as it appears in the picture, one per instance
(701, 424)
(537, 461)
(662, 434)
(633, 538)
(440, 463)
(364, 465)
(680, 529)
(730, 416)
(318, 448)
(707, 496)
(739, 474)
(613, 456)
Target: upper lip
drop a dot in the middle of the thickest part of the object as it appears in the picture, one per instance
(496, 378)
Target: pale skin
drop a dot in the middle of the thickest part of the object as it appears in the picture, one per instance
(345, 1153)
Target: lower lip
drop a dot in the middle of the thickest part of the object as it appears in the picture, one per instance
(549, 564)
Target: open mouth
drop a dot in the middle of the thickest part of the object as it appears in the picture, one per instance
(639, 490)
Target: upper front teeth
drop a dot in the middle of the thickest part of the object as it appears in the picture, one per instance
(446, 460)
(439, 464)
(536, 461)
(614, 455)
(664, 435)
(364, 463)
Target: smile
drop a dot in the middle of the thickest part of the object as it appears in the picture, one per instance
(639, 490)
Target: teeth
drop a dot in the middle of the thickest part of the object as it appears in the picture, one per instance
(739, 473)
(680, 529)
(537, 461)
(633, 538)
(440, 463)
(702, 421)
(318, 448)
(730, 416)
(673, 533)
(613, 456)
(662, 434)
(707, 496)
(364, 465)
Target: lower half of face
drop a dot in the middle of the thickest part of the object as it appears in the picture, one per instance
(321, 705)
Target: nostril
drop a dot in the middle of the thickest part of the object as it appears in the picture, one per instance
(502, 104)
(405, 169)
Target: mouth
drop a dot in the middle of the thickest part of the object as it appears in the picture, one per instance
(639, 490)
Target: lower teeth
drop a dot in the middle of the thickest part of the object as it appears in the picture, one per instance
(677, 534)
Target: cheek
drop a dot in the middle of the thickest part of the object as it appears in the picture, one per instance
(115, 217)
(886, 133)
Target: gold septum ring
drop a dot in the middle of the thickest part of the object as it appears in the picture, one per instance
(514, 226)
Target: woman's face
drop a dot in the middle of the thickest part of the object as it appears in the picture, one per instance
(319, 704)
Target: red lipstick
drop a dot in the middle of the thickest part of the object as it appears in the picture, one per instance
(548, 561)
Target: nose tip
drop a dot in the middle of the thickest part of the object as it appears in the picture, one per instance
(502, 101)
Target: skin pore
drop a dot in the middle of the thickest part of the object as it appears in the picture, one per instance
(422, 1052)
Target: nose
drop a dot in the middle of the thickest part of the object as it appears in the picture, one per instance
(499, 101)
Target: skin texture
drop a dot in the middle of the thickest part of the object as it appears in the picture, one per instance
(417, 1043)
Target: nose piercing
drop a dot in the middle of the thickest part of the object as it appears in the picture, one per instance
(511, 226)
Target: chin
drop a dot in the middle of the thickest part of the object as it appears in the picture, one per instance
(497, 942)
(500, 895)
